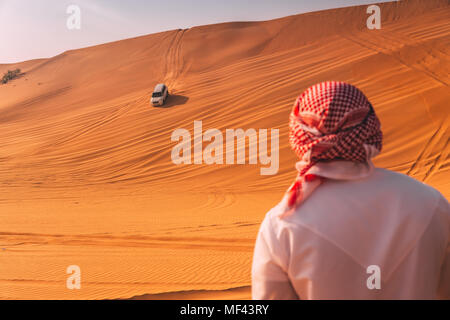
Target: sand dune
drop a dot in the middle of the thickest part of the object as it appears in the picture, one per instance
(86, 176)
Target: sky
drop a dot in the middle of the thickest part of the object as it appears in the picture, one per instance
(31, 29)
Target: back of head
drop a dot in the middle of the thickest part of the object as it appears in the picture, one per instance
(333, 120)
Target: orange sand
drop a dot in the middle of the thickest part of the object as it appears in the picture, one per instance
(85, 171)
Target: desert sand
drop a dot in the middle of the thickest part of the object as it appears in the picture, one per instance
(86, 176)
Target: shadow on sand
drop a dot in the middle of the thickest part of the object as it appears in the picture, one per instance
(174, 100)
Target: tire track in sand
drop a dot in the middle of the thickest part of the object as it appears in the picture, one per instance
(439, 137)
(174, 61)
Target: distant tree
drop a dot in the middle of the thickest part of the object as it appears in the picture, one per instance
(10, 75)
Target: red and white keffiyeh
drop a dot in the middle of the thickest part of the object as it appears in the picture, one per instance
(330, 121)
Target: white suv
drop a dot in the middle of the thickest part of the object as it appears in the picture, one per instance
(159, 95)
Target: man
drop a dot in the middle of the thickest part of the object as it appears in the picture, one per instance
(345, 229)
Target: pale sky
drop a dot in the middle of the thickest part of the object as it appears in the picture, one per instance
(32, 29)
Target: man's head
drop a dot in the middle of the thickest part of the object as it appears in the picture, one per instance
(334, 121)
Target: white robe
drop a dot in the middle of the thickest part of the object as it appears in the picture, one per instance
(361, 218)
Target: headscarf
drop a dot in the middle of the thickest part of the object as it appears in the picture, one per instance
(330, 121)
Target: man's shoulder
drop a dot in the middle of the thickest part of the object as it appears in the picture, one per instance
(403, 183)
(396, 176)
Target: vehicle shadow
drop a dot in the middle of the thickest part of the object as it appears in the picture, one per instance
(174, 100)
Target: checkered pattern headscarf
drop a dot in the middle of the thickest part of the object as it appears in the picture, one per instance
(330, 121)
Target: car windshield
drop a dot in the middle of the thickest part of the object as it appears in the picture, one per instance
(156, 94)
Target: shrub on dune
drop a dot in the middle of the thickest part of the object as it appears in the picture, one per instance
(10, 75)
